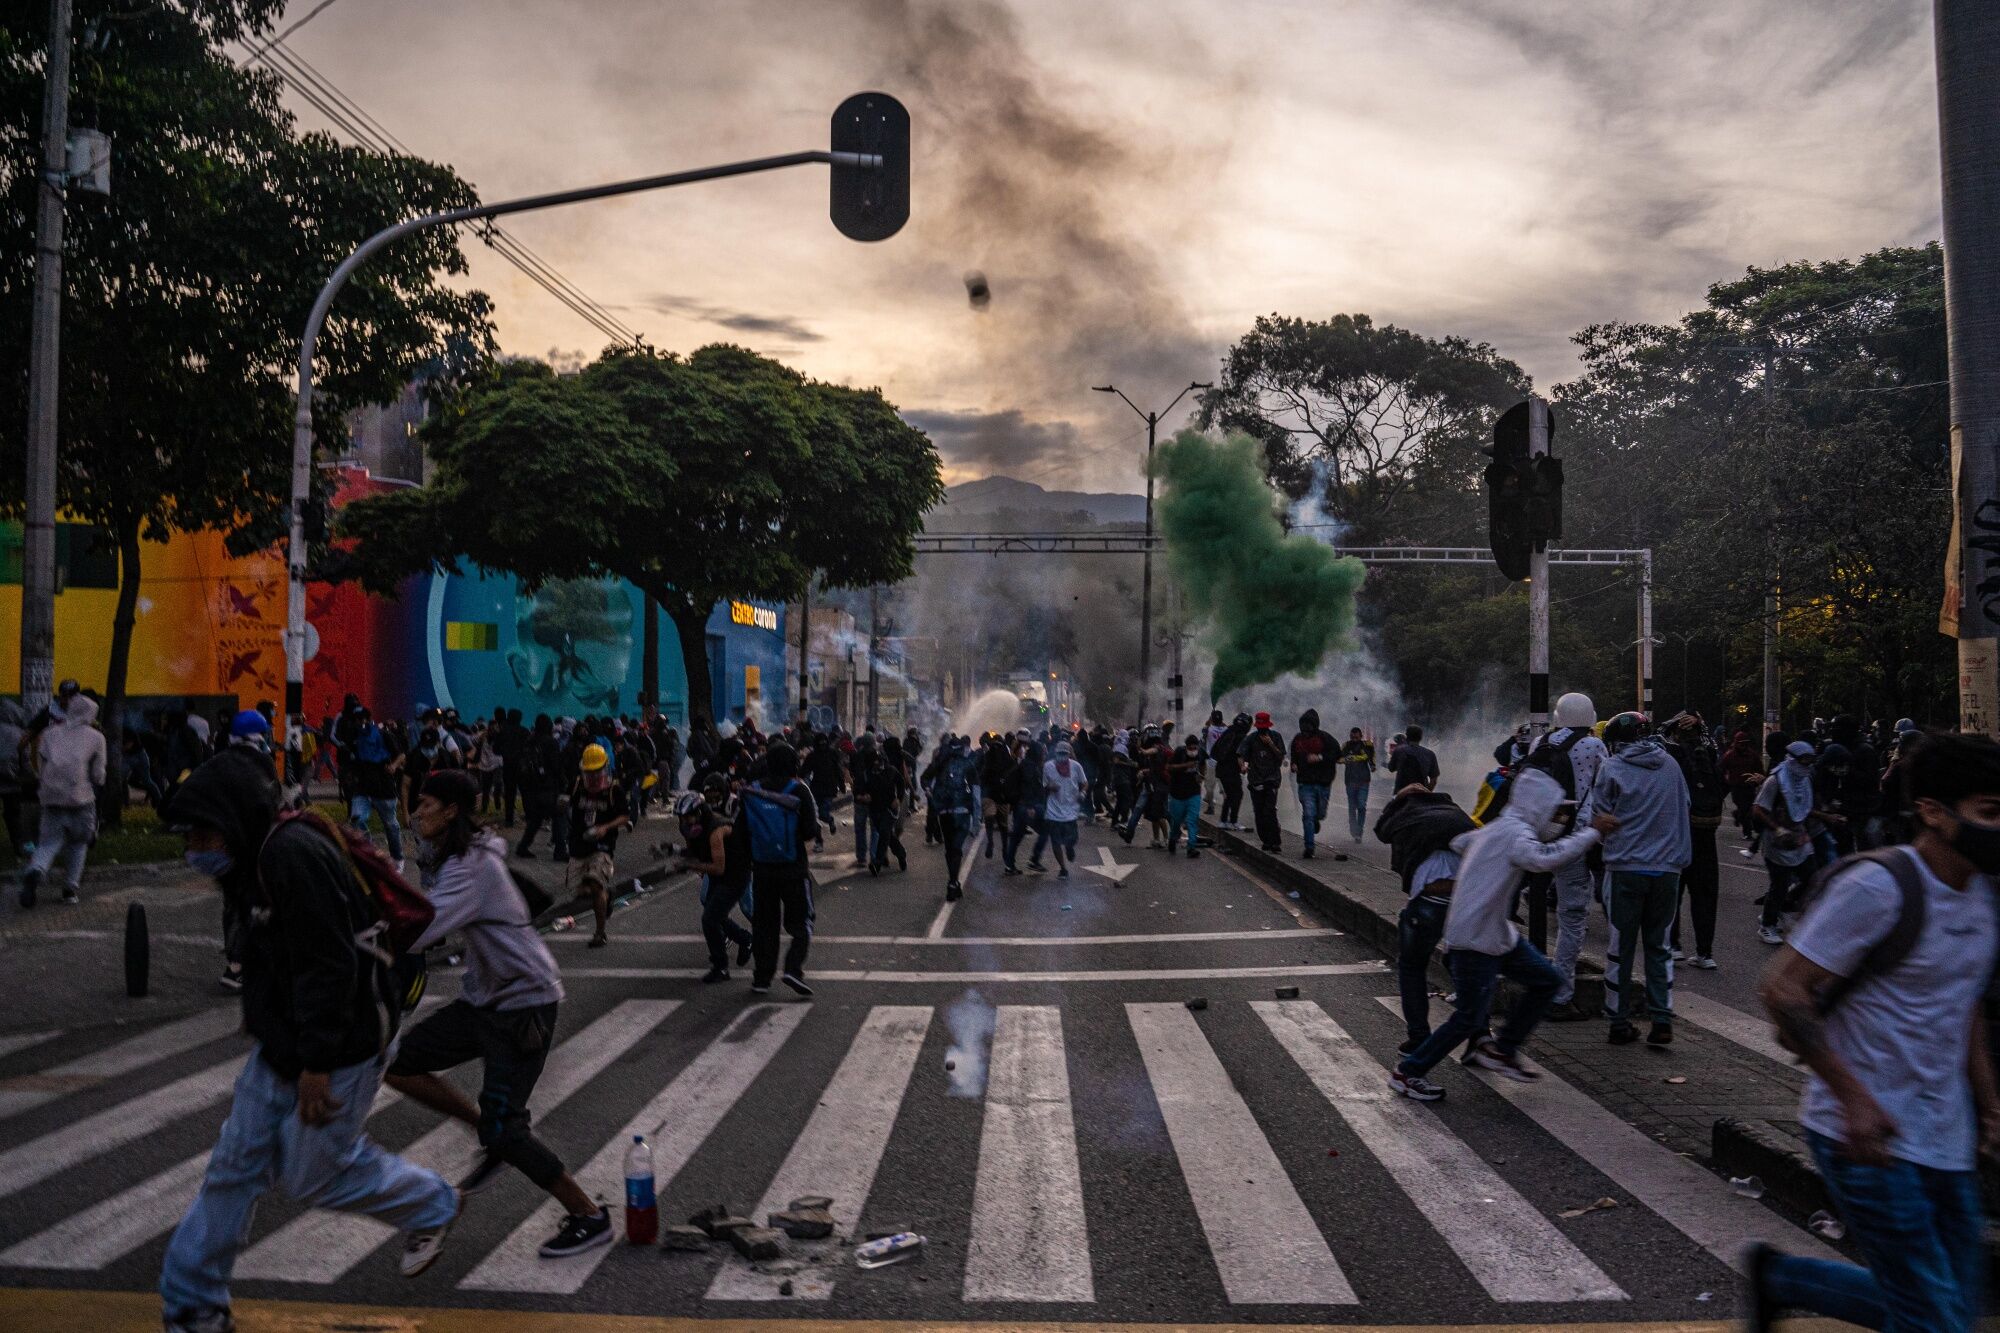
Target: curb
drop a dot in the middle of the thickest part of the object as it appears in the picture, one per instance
(1364, 921)
(1754, 1148)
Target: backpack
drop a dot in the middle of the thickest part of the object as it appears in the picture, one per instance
(402, 913)
(1706, 792)
(773, 818)
(369, 747)
(1888, 952)
(1553, 760)
(951, 790)
(1226, 745)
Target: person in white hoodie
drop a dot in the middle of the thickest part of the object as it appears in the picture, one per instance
(1582, 753)
(70, 761)
(1483, 944)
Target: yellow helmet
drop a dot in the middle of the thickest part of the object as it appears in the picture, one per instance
(595, 757)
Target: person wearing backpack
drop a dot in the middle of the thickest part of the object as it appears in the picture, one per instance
(1785, 808)
(505, 1015)
(783, 823)
(1572, 755)
(320, 1004)
(597, 812)
(951, 785)
(1878, 992)
(1225, 756)
(1688, 741)
(377, 761)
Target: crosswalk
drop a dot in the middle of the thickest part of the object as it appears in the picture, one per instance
(1028, 1204)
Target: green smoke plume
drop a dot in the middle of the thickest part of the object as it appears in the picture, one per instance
(1276, 602)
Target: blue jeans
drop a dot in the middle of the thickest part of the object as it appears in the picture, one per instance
(1476, 977)
(1920, 1231)
(1418, 930)
(1183, 812)
(264, 1145)
(1313, 799)
(385, 809)
(1357, 809)
(1642, 909)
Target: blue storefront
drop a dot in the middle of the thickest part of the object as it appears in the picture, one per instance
(477, 641)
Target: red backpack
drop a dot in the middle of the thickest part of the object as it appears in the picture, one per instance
(402, 912)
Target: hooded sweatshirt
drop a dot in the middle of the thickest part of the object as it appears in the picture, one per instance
(506, 964)
(1496, 857)
(1314, 753)
(1416, 827)
(72, 752)
(311, 997)
(13, 728)
(1642, 786)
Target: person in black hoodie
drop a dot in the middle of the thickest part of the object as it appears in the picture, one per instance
(323, 1013)
(1315, 764)
(1419, 825)
(1224, 755)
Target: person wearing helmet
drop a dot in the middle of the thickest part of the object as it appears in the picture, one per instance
(596, 813)
(1640, 803)
(718, 849)
(1571, 754)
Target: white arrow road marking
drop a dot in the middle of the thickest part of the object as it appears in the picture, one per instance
(1107, 866)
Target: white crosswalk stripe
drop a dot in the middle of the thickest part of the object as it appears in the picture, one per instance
(322, 1246)
(1265, 1245)
(1029, 1239)
(1516, 1253)
(122, 1057)
(840, 1149)
(114, 1127)
(676, 1122)
(21, 1041)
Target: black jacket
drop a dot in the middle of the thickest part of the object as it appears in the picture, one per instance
(1417, 825)
(312, 997)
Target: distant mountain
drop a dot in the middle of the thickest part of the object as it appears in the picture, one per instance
(991, 495)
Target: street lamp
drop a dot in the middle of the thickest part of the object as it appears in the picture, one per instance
(869, 200)
(1152, 420)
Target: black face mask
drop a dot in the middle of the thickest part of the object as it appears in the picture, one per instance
(1979, 844)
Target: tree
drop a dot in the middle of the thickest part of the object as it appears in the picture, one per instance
(187, 289)
(718, 475)
(1365, 413)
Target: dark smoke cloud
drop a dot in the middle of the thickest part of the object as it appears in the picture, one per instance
(986, 443)
(741, 321)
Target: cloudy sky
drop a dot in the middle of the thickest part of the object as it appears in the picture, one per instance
(1140, 180)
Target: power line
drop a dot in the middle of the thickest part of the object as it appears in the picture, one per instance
(320, 92)
(316, 11)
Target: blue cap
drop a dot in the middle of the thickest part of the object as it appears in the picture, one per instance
(249, 722)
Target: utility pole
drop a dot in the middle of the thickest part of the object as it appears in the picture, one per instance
(1152, 420)
(1773, 703)
(874, 656)
(1968, 69)
(1538, 588)
(805, 642)
(38, 581)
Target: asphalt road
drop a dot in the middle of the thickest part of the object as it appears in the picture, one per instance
(1018, 1078)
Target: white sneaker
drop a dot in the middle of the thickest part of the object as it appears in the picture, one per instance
(1702, 961)
(1770, 935)
(1680, 955)
(422, 1248)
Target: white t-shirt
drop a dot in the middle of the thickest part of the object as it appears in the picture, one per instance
(1903, 1032)
(1440, 864)
(1065, 794)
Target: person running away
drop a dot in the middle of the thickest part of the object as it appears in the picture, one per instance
(951, 786)
(321, 1009)
(886, 786)
(69, 759)
(596, 814)
(1420, 826)
(1784, 808)
(1357, 768)
(997, 765)
(1413, 762)
(782, 821)
(1314, 763)
(1484, 944)
(718, 849)
(504, 1016)
(1879, 992)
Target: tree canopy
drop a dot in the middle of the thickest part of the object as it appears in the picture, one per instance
(716, 475)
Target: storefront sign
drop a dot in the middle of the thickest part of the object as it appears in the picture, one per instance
(744, 613)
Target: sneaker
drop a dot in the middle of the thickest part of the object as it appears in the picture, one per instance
(1408, 1047)
(1680, 955)
(208, 1321)
(577, 1234)
(760, 988)
(31, 883)
(1768, 934)
(69, 897)
(952, 893)
(798, 984)
(1760, 1313)
(1062, 872)
(1488, 1055)
(231, 980)
(743, 954)
(1193, 855)
(1622, 1034)
(713, 975)
(597, 942)
(422, 1248)
(483, 1173)
(1306, 855)
(1660, 1034)
(1037, 866)
(1748, 853)
(1124, 833)
(1702, 961)
(1415, 1086)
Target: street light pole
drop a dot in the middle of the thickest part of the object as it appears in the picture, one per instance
(38, 574)
(1152, 420)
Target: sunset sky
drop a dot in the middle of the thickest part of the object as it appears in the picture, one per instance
(1139, 181)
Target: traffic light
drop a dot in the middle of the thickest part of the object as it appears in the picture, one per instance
(871, 203)
(1523, 494)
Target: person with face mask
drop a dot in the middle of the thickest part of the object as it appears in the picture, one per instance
(1484, 945)
(718, 849)
(1225, 758)
(1065, 793)
(951, 785)
(596, 814)
(1572, 755)
(1878, 992)
(322, 1012)
(1315, 760)
(1640, 803)
(1784, 809)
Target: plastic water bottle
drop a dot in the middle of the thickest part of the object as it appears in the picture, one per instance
(642, 1213)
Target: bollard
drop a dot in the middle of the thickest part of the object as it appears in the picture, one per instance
(138, 951)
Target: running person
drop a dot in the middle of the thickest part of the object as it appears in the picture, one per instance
(595, 816)
(718, 849)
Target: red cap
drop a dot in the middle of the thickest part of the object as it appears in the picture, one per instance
(1263, 721)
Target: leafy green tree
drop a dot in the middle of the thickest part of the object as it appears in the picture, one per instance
(718, 475)
(187, 289)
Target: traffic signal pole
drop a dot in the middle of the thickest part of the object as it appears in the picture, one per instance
(1538, 589)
